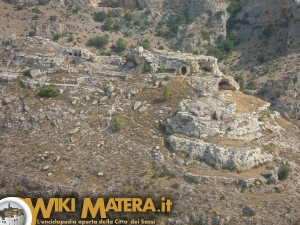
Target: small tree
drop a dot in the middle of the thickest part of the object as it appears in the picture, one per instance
(48, 91)
(118, 123)
(167, 92)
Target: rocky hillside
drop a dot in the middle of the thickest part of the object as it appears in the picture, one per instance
(154, 98)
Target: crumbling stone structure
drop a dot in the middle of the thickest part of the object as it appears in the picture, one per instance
(158, 61)
(75, 55)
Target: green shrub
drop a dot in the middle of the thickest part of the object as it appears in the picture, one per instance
(56, 36)
(248, 211)
(100, 16)
(234, 38)
(76, 9)
(261, 58)
(284, 171)
(53, 18)
(145, 44)
(107, 25)
(234, 7)
(19, 7)
(48, 91)
(146, 68)
(216, 52)
(190, 35)
(226, 45)
(43, 2)
(261, 118)
(205, 34)
(99, 41)
(268, 31)
(129, 16)
(117, 25)
(114, 13)
(27, 73)
(251, 85)
(277, 190)
(119, 47)
(167, 92)
(70, 38)
(118, 123)
(295, 80)
(36, 10)
(219, 14)
(240, 80)
(32, 33)
(278, 93)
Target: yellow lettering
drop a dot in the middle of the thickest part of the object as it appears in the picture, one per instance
(88, 207)
(149, 205)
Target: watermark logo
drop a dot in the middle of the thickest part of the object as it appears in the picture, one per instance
(14, 211)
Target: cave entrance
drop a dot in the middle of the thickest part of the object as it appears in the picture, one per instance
(225, 85)
(183, 70)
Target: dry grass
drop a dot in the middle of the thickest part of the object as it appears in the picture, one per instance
(245, 103)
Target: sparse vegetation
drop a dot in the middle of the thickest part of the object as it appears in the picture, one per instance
(146, 68)
(36, 10)
(43, 2)
(248, 211)
(56, 36)
(117, 25)
(100, 16)
(129, 16)
(167, 92)
(32, 33)
(145, 44)
(277, 190)
(251, 85)
(261, 118)
(48, 91)
(216, 52)
(261, 58)
(118, 123)
(107, 25)
(284, 171)
(240, 80)
(120, 46)
(27, 73)
(99, 41)
(268, 31)
(53, 18)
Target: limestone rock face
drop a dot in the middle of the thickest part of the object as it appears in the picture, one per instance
(205, 117)
(219, 157)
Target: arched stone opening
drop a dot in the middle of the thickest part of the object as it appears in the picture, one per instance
(183, 70)
(225, 85)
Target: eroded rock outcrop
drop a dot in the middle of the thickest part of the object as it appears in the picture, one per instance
(219, 157)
